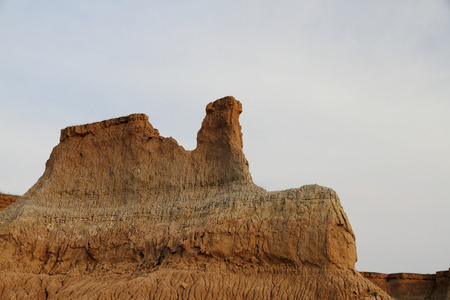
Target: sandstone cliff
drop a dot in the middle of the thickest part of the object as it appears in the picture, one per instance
(122, 212)
(7, 200)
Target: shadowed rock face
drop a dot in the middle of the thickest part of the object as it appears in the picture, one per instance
(121, 211)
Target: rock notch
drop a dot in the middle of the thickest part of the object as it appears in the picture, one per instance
(122, 212)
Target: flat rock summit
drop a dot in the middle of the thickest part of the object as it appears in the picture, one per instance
(124, 213)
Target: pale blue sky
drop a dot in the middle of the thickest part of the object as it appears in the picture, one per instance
(353, 95)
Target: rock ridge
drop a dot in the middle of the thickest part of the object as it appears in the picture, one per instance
(411, 286)
(83, 130)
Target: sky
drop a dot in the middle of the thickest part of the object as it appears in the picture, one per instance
(353, 95)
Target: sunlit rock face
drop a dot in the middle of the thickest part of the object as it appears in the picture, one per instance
(6, 200)
(122, 212)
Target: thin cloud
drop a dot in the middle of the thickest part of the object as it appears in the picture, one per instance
(347, 94)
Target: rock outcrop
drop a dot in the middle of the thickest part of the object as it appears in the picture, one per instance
(407, 286)
(6, 200)
(122, 212)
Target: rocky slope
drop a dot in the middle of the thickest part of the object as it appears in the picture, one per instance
(7, 200)
(122, 212)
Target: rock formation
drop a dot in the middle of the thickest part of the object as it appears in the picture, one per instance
(7, 200)
(406, 286)
(122, 212)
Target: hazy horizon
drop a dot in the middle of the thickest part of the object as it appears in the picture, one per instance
(351, 95)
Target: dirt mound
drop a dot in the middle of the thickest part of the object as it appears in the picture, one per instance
(123, 212)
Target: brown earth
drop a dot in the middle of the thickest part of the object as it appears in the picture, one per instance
(122, 212)
(407, 286)
(7, 200)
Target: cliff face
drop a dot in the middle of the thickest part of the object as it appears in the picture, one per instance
(406, 286)
(122, 212)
